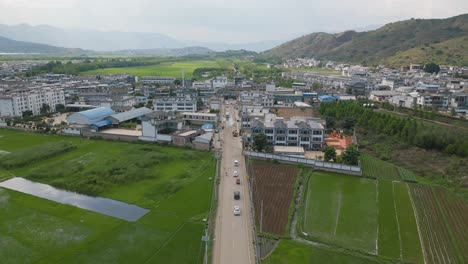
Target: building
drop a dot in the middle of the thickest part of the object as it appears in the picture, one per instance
(298, 131)
(157, 80)
(89, 117)
(203, 142)
(200, 118)
(382, 96)
(291, 151)
(179, 104)
(186, 138)
(219, 82)
(16, 102)
(158, 126)
(128, 115)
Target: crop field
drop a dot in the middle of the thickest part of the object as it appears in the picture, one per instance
(398, 235)
(161, 179)
(292, 252)
(375, 168)
(274, 188)
(341, 209)
(171, 69)
(442, 219)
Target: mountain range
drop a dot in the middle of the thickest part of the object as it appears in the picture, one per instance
(113, 40)
(14, 46)
(393, 43)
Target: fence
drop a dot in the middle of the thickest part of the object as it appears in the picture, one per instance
(320, 165)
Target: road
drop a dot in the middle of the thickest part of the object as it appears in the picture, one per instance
(233, 234)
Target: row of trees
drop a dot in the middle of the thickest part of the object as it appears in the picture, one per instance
(416, 133)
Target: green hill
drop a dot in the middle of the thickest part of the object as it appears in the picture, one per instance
(12, 46)
(450, 52)
(374, 46)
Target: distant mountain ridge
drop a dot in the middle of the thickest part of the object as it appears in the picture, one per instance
(373, 47)
(13, 46)
(108, 41)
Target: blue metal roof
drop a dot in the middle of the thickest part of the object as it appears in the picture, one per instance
(102, 123)
(207, 127)
(100, 112)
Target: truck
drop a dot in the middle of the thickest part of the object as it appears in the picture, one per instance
(235, 133)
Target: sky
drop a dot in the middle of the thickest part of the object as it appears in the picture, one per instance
(234, 21)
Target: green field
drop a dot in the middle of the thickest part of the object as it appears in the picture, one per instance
(371, 216)
(162, 179)
(171, 69)
(291, 252)
(398, 235)
(341, 209)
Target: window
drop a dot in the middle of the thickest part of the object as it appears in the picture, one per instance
(292, 131)
(270, 138)
(292, 138)
(317, 132)
(269, 131)
(305, 132)
(280, 138)
(280, 131)
(316, 139)
(305, 139)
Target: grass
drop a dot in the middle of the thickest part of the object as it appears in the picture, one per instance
(407, 175)
(375, 168)
(292, 252)
(162, 179)
(171, 69)
(341, 210)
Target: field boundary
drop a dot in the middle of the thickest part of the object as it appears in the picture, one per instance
(397, 220)
(319, 165)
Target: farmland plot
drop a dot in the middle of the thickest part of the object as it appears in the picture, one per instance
(439, 243)
(342, 210)
(375, 168)
(273, 186)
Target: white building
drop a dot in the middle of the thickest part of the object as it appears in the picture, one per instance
(157, 79)
(16, 102)
(219, 82)
(200, 118)
(179, 104)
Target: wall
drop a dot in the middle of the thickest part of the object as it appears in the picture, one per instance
(320, 165)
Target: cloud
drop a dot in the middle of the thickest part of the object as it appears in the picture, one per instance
(218, 20)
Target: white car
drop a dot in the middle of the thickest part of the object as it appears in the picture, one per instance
(236, 210)
(236, 163)
(236, 174)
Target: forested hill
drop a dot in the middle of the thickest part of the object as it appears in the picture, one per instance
(12, 46)
(373, 47)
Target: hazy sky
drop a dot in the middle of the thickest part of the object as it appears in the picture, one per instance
(224, 20)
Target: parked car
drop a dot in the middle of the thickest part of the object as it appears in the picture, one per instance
(236, 163)
(236, 174)
(236, 195)
(237, 181)
(236, 210)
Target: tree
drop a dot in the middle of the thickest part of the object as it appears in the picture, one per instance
(27, 113)
(431, 68)
(45, 108)
(330, 154)
(59, 108)
(329, 122)
(259, 142)
(351, 155)
(199, 103)
(149, 104)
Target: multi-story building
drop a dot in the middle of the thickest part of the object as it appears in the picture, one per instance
(297, 131)
(14, 103)
(179, 104)
(219, 82)
(157, 79)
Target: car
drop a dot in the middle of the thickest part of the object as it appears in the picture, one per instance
(236, 163)
(237, 181)
(236, 210)
(236, 195)
(236, 174)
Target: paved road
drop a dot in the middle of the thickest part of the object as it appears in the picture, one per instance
(233, 234)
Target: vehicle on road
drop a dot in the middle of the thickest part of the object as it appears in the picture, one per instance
(235, 133)
(236, 195)
(236, 210)
(236, 163)
(237, 181)
(236, 174)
